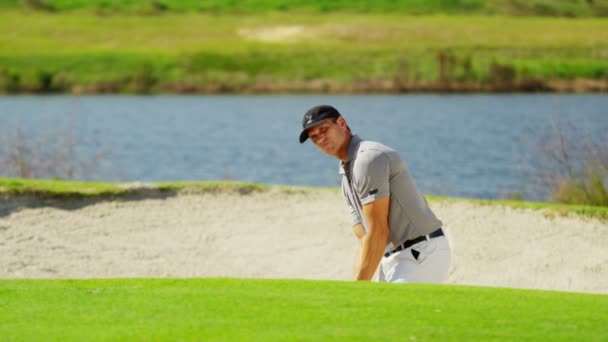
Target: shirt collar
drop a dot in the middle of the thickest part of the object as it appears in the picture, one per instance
(353, 147)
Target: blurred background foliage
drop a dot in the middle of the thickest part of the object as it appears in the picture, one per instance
(567, 8)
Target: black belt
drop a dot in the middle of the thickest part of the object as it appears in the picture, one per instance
(410, 243)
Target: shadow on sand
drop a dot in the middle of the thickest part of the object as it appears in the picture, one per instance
(10, 203)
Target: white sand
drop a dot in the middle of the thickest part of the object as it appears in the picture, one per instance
(279, 235)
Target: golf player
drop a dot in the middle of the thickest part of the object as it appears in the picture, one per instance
(399, 236)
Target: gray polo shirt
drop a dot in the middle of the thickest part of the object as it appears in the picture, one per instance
(374, 171)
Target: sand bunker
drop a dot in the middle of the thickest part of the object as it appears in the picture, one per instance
(276, 234)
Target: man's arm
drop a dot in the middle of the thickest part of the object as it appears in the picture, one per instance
(374, 241)
(359, 233)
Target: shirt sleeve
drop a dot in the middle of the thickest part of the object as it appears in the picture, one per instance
(354, 215)
(372, 176)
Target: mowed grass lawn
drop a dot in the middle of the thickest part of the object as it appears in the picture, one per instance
(83, 48)
(263, 310)
(78, 32)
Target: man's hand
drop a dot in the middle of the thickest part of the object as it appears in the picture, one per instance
(374, 241)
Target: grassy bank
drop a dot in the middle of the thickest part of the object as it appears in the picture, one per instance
(57, 189)
(263, 310)
(551, 209)
(82, 52)
(44, 188)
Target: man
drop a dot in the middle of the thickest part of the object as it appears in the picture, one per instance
(392, 220)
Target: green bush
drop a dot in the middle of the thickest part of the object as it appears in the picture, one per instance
(152, 7)
(44, 81)
(10, 81)
(589, 187)
(142, 79)
(501, 73)
(578, 168)
(37, 5)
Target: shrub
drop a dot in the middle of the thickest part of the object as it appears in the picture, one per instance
(578, 168)
(37, 5)
(500, 74)
(590, 188)
(10, 81)
(44, 81)
(152, 7)
(142, 79)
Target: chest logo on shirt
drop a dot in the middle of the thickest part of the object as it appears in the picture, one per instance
(373, 192)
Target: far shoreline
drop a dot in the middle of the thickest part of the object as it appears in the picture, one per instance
(330, 87)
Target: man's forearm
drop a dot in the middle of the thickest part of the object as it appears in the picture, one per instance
(374, 241)
(372, 250)
(357, 263)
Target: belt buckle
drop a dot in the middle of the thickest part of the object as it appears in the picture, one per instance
(398, 249)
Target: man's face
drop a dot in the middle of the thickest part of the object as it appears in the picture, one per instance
(329, 137)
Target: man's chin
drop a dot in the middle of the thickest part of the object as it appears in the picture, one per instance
(329, 152)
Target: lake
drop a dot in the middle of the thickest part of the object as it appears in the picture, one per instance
(484, 146)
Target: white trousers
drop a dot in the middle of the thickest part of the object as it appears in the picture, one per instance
(431, 265)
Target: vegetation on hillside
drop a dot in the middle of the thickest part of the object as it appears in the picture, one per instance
(566, 8)
(81, 52)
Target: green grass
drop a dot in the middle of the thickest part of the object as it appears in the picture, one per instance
(568, 8)
(552, 209)
(59, 52)
(59, 188)
(74, 189)
(264, 310)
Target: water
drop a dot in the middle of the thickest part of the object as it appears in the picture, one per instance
(481, 146)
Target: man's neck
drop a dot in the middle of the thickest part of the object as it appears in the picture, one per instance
(343, 152)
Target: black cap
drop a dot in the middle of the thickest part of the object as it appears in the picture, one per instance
(316, 116)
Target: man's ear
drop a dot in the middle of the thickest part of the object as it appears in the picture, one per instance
(341, 122)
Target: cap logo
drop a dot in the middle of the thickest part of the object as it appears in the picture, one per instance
(308, 118)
